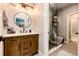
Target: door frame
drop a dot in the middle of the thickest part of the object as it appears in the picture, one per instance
(68, 18)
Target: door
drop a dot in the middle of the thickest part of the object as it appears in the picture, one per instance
(73, 30)
(12, 46)
(24, 46)
(78, 35)
(13, 49)
(74, 27)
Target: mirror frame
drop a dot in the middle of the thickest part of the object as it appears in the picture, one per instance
(25, 14)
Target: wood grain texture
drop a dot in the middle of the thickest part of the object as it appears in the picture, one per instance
(21, 45)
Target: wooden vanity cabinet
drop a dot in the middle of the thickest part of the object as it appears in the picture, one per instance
(21, 45)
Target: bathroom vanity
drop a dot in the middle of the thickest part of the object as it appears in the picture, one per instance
(19, 40)
(21, 44)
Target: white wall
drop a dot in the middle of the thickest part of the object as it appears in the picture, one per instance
(46, 29)
(1, 43)
(41, 25)
(1, 24)
(63, 19)
(10, 13)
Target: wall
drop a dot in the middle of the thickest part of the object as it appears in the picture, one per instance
(63, 19)
(1, 24)
(46, 29)
(10, 13)
(1, 43)
(39, 26)
(41, 21)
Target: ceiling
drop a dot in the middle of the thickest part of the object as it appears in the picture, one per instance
(61, 5)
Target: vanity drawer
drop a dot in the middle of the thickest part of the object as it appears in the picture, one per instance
(12, 44)
(23, 38)
(24, 52)
(25, 44)
(12, 40)
(33, 36)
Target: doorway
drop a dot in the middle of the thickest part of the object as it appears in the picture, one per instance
(73, 28)
(73, 31)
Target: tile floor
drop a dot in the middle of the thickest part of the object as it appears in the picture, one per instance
(66, 50)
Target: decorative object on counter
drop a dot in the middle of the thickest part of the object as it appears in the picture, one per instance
(2, 38)
(30, 31)
(5, 19)
(10, 30)
(22, 20)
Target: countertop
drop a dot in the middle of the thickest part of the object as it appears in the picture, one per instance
(18, 34)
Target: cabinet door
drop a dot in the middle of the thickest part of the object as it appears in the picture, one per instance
(24, 46)
(12, 47)
(33, 44)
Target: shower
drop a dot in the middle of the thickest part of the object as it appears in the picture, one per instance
(54, 39)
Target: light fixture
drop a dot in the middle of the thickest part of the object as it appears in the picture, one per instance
(26, 7)
(23, 5)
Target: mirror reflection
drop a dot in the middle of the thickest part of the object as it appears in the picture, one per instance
(22, 19)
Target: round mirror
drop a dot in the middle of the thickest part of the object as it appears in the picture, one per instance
(22, 19)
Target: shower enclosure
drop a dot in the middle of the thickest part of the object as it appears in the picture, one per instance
(54, 39)
(53, 31)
